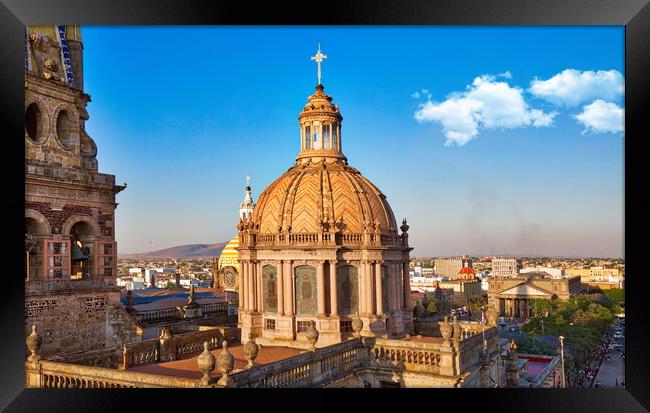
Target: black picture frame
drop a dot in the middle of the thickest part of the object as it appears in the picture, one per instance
(634, 15)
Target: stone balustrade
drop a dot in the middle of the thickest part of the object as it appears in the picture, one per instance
(411, 356)
(167, 314)
(214, 308)
(105, 357)
(175, 347)
(162, 314)
(51, 374)
(139, 353)
(321, 238)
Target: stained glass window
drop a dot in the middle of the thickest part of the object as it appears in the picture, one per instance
(270, 293)
(306, 297)
(348, 289)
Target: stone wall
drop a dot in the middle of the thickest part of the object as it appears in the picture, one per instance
(70, 321)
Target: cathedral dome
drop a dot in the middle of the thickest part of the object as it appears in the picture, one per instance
(307, 197)
(321, 190)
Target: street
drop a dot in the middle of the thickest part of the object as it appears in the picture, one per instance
(612, 373)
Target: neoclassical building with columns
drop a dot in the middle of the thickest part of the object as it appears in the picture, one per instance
(322, 246)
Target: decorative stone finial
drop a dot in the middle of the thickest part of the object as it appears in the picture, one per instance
(34, 341)
(445, 331)
(312, 337)
(226, 362)
(357, 326)
(206, 362)
(457, 328)
(250, 351)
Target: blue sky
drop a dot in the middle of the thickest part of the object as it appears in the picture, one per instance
(489, 140)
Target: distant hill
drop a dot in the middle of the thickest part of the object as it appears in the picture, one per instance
(181, 251)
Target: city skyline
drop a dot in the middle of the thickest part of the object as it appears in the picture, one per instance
(186, 149)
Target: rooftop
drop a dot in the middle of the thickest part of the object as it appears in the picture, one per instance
(189, 367)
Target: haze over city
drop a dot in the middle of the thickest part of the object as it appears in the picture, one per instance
(540, 175)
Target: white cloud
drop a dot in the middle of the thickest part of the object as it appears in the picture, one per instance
(506, 74)
(486, 103)
(572, 87)
(602, 117)
(415, 95)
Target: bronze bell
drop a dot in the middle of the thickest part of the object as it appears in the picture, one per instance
(77, 254)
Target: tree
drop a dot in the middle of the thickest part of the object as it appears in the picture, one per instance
(475, 306)
(617, 295)
(432, 306)
(541, 307)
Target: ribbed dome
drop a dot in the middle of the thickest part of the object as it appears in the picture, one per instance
(310, 196)
(229, 255)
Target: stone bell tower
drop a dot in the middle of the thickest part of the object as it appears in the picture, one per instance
(70, 248)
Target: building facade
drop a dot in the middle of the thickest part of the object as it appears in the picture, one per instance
(323, 245)
(505, 267)
(70, 248)
(449, 267)
(511, 297)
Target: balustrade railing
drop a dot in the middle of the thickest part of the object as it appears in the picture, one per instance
(322, 238)
(106, 357)
(191, 343)
(158, 315)
(214, 308)
(413, 356)
(139, 353)
(177, 347)
(50, 374)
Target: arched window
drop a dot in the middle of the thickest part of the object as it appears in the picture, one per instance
(347, 280)
(305, 288)
(82, 237)
(307, 137)
(64, 129)
(326, 136)
(270, 287)
(33, 122)
(314, 133)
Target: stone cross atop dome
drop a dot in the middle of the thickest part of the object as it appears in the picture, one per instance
(320, 125)
(318, 58)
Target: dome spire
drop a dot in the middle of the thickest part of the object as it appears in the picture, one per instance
(320, 125)
(246, 207)
(318, 58)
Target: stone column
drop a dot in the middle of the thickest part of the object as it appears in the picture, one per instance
(251, 286)
(320, 287)
(362, 288)
(242, 287)
(280, 284)
(369, 293)
(405, 285)
(334, 301)
(379, 291)
(289, 299)
(397, 277)
(258, 290)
